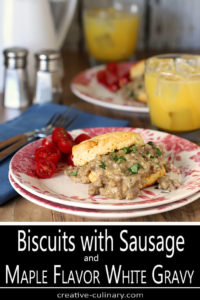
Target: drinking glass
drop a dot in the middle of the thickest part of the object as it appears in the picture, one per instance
(172, 84)
(111, 32)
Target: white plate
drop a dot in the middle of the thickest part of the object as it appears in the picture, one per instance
(86, 87)
(99, 214)
(184, 155)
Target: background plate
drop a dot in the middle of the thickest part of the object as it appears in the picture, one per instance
(86, 87)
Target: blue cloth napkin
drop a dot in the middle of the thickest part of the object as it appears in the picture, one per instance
(36, 117)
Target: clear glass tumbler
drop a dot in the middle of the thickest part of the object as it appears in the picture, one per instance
(172, 84)
(111, 32)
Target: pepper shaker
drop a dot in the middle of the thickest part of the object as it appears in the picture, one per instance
(48, 86)
(16, 94)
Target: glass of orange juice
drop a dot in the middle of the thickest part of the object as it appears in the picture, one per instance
(111, 32)
(172, 84)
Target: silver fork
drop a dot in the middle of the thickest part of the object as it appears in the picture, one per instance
(11, 145)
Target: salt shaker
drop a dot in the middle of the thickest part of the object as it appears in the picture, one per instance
(16, 93)
(48, 86)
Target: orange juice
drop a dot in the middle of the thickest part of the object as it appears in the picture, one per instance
(110, 34)
(173, 91)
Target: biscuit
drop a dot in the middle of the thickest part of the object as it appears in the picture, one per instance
(103, 144)
(151, 179)
(137, 69)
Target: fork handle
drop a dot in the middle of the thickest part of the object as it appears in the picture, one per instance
(14, 147)
(12, 140)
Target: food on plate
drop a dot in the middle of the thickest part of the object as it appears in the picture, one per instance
(103, 144)
(81, 137)
(114, 76)
(137, 70)
(45, 168)
(119, 164)
(125, 80)
(135, 89)
(55, 149)
(49, 153)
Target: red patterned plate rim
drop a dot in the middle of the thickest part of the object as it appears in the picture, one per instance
(82, 87)
(99, 214)
(60, 189)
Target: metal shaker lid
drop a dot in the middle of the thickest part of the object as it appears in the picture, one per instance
(15, 57)
(48, 54)
(48, 60)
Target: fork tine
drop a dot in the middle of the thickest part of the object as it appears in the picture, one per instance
(53, 118)
(64, 118)
(66, 124)
(57, 121)
(60, 118)
(69, 122)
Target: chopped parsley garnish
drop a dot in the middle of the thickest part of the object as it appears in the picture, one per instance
(126, 150)
(134, 148)
(132, 95)
(134, 168)
(150, 143)
(129, 150)
(114, 157)
(151, 156)
(121, 159)
(158, 152)
(102, 165)
(159, 165)
(74, 173)
(139, 86)
(118, 158)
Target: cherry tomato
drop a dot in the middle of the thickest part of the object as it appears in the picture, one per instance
(123, 70)
(101, 77)
(45, 168)
(111, 78)
(69, 136)
(123, 80)
(81, 137)
(70, 160)
(114, 76)
(41, 153)
(65, 145)
(58, 133)
(47, 153)
(58, 152)
(112, 67)
(113, 87)
(47, 142)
